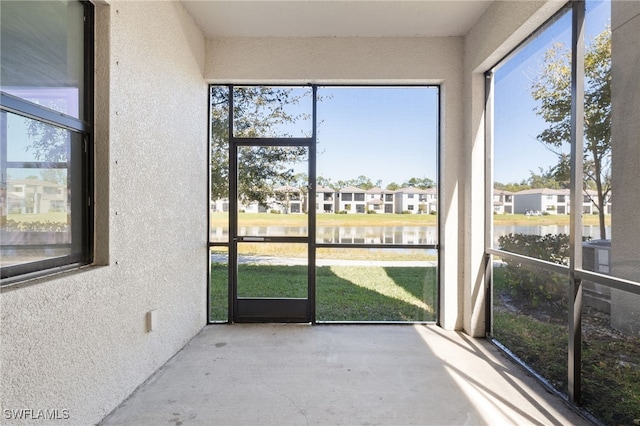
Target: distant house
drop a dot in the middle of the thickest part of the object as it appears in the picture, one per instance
(352, 200)
(589, 206)
(415, 200)
(35, 196)
(541, 200)
(220, 205)
(502, 202)
(375, 200)
(431, 200)
(325, 199)
(555, 201)
(288, 199)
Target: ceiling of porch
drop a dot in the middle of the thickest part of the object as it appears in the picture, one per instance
(335, 18)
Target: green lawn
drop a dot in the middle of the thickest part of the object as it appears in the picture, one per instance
(610, 359)
(343, 293)
(332, 219)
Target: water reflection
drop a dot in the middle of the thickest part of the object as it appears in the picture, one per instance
(408, 235)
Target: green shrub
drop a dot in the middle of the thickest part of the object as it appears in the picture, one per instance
(531, 285)
(37, 226)
(371, 212)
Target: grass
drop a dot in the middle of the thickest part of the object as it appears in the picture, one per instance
(332, 219)
(542, 346)
(343, 293)
(610, 359)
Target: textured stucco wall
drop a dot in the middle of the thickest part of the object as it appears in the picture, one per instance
(363, 60)
(625, 161)
(500, 29)
(77, 341)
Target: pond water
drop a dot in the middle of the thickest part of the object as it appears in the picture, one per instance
(405, 235)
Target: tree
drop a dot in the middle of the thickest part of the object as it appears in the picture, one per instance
(393, 186)
(258, 112)
(422, 183)
(543, 179)
(552, 89)
(511, 187)
(322, 181)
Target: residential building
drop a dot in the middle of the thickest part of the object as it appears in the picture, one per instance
(554, 201)
(375, 200)
(325, 199)
(502, 202)
(541, 200)
(288, 199)
(415, 200)
(352, 199)
(36, 196)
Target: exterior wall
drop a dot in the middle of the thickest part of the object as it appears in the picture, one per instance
(625, 161)
(527, 202)
(77, 341)
(496, 33)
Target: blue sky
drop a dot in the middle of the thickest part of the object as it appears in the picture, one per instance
(384, 133)
(516, 149)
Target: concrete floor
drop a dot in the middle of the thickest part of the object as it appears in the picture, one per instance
(285, 374)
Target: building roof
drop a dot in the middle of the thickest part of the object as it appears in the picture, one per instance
(34, 182)
(352, 189)
(543, 191)
(321, 188)
(410, 190)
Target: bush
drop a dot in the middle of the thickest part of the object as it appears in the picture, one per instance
(341, 212)
(531, 285)
(38, 226)
(371, 212)
(433, 212)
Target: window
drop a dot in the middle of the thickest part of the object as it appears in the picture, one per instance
(388, 197)
(358, 197)
(410, 207)
(46, 141)
(410, 196)
(359, 208)
(347, 196)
